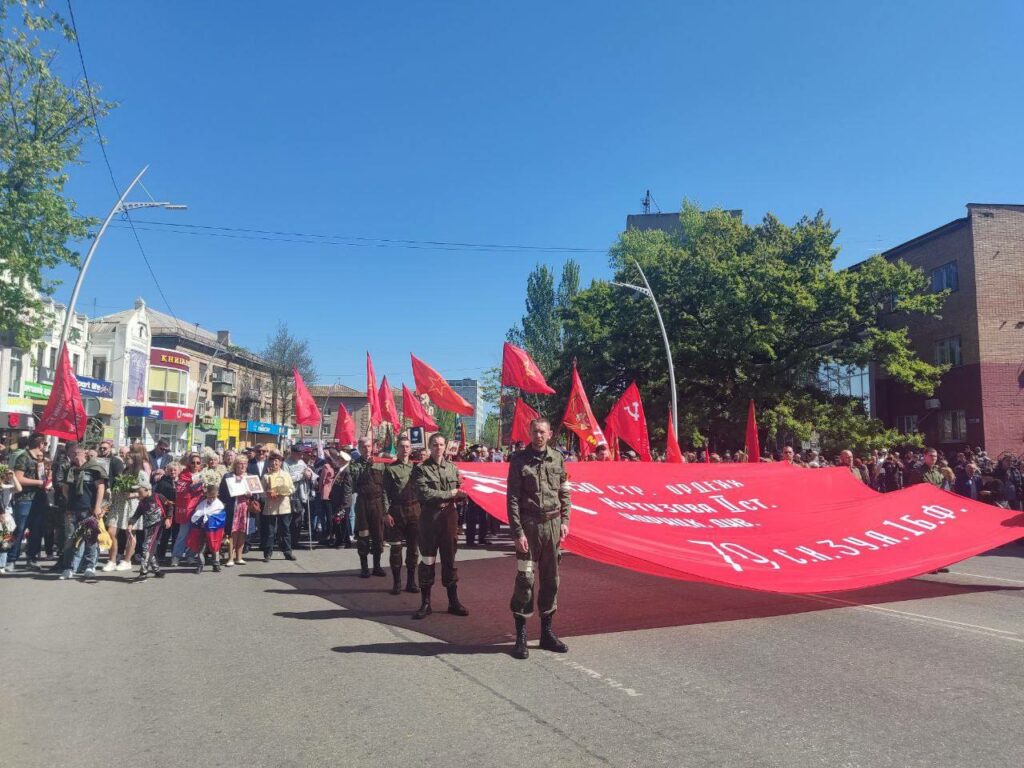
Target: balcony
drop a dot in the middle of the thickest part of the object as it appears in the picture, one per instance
(223, 388)
(223, 376)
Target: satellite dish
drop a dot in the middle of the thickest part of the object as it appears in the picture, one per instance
(92, 405)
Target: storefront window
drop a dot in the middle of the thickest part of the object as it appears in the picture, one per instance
(173, 433)
(167, 385)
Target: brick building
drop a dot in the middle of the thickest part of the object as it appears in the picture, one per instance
(980, 333)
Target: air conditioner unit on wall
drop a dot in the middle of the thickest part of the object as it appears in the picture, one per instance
(932, 405)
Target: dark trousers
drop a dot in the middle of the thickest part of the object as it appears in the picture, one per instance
(275, 527)
(478, 524)
(167, 537)
(438, 531)
(405, 532)
(150, 536)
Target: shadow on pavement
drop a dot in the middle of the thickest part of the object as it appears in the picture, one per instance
(594, 599)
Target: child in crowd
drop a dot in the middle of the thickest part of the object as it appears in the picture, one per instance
(207, 532)
(154, 520)
(9, 486)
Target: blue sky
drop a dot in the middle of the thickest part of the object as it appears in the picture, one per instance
(523, 123)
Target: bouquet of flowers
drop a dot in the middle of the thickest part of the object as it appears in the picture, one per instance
(4, 471)
(207, 477)
(125, 483)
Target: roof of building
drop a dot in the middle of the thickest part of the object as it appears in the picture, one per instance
(334, 390)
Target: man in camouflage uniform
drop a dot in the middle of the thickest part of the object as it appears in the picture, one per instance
(538, 515)
(401, 517)
(437, 484)
(368, 484)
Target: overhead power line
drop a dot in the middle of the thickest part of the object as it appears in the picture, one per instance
(106, 160)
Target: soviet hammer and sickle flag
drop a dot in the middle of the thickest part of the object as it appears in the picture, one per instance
(580, 419)
(519, 370)
(627, 420)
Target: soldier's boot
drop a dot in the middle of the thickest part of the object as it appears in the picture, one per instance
(410, 580)
(396, 576)
(519, 650)
(454, 606)
(364, 569)
(425, 609)
(548, 641)
(377, 570)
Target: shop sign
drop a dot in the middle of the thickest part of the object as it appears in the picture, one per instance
(175, 413)
(263, 428)
(95, 387)
(141, 412)
(37, 390)
(167, 358)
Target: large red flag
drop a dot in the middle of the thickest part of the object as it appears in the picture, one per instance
(519, 370)
(628, 422)
(672, 453)
(64, 415)
(306, 412)
(414, 411)
(388, 409)
(753, 444)
(430, 383)
(345, 428)
(521, 418)
(372, 395)
(580, 419)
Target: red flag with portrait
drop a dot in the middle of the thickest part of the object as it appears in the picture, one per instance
(579, 418)
(388, 409)
(430, 383)
(64, 415)
(628, 422)
(519, 370)
(345, 428)
(414, 411)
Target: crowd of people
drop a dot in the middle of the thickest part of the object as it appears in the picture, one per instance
(149, 509)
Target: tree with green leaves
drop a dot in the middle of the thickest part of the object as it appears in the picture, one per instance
(282, 354)
(43, 124)
(751, 312)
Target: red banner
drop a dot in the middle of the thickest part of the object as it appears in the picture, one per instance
(388, 409)
(372, 395)
(64, 415)
(753, 445)
(414, 411)
(519, 370)
(306, 412)
(580, 419)
(672, 453)
(771, 527)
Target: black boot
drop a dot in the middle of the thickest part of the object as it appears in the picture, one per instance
(410, 580)
(377, 570)
(519, 650)
(454, 606)
(425, 609)
(548, 641)
(396, 576)
(364, 569)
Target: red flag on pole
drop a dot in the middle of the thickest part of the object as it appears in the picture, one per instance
(414, 411)
(613, 441)
(372, 395)
(64, 415)
(580, 419)
(430, 383)
(753, 445)
(707, 454)
(306, 412)
(628, 422)
(672, 453)
(388, 409)
(345, 428)
(519, 370)
(521, 418)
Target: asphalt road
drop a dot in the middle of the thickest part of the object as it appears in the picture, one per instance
(305, 664)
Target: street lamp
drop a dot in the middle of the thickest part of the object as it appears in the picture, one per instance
(645, 290)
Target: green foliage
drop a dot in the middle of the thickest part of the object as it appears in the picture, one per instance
(43, 125)
(489, 433)
(751, 312)
(282, 354)
(445, 421)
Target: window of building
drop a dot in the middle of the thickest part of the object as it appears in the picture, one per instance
(171, 432)
(947, 351)
(167, 385)
(908, 424)
(953, 426)
(945, 277)
(99, 368)
(53, 358)
(325, 430)
(74, 362)
(14, 379)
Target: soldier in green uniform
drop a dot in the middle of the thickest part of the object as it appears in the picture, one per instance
(402, 517)
(538, 514)
(437, 484)
(368, 483)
